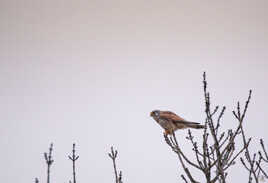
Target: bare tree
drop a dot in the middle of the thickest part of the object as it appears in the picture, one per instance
(218, 150)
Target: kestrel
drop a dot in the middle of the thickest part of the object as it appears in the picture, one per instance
(172, 122)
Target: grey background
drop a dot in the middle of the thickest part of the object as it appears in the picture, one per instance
(91, 71)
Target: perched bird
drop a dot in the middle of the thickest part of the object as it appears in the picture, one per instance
(172, 122)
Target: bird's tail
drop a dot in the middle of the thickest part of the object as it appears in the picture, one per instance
(195, 125)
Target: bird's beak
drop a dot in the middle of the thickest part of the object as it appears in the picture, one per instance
(151, 114)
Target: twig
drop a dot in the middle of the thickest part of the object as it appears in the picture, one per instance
(173, 143)
(113, 156)
(195, 148)
(49, 161)
(219, 118)
(183, 178)
(73, 158)
(36, 180)
(261, 169)
(264, 150)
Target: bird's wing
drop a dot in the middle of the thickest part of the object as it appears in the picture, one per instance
(175, 118)
(170, 116)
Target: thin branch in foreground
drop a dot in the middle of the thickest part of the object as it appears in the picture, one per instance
(113, 156)
(183, 178)
(73, 158)
(173, 144)
(49, 161)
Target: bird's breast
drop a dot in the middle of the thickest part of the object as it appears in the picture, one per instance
(164, 123)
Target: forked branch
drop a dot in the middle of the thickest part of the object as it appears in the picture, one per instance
(113, 156)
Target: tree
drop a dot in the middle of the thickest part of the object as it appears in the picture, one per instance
(219, 149)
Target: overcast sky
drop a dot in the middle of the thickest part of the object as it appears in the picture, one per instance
(91, 71)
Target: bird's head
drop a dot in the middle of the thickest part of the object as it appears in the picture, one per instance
(155, 114)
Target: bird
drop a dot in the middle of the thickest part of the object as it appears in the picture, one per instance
(171, 122)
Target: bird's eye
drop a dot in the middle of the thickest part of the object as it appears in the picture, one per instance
(155, 113)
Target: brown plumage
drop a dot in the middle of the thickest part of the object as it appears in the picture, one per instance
(172, 122)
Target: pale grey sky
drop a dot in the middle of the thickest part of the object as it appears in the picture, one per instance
(91, 71)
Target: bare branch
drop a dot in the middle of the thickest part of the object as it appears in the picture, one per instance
(73, 158)
(183, 178)
(36, 180)
(49, 161)
(113, 156)
(218, 151)
(173, 143)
